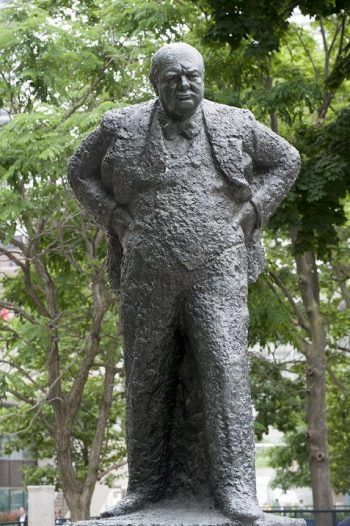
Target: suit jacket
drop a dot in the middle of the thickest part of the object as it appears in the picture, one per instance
(24, 520)
(260, 165)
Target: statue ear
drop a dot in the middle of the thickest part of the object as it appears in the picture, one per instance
(154, 84)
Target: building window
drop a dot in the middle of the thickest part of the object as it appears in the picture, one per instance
(12, 500)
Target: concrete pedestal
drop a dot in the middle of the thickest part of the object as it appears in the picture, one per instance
(41, 505)
(185, 512)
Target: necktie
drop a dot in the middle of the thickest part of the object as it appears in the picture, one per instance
(188, 128)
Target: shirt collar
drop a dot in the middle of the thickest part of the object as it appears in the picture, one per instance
(189, 128)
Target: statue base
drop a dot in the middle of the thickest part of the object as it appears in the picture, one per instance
(185, 513)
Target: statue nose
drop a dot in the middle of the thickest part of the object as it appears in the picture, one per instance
(184, 82)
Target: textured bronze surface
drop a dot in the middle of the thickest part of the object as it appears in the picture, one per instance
(182, 186)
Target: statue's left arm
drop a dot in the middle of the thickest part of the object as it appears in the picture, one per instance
(276, 167)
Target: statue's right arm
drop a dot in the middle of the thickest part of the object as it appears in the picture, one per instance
(84, 175)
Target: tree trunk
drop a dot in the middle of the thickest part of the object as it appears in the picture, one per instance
(77, 494)
(317, 433)
(79, 506)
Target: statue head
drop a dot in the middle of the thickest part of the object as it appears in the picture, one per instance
(177, 75)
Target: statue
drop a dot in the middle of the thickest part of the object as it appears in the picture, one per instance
(182, 186)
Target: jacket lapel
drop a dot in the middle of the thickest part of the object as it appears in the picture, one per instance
(227, 147)
(153, 154)
(223, 130)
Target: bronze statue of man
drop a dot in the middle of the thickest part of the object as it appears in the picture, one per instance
(182, 187)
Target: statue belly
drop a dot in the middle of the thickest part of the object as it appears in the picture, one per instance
(182, 226)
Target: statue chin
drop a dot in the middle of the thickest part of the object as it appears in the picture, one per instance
(182, 109)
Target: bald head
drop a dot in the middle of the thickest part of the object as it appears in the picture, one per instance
(177, 75)
(173, 53)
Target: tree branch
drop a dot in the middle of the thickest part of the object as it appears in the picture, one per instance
(308, 54)
(342, 35)
(19, 310)
(297, 311)
(335, 380)
(81, 100)
(23, 372)
(326, 50)
(12, 257)
(23, 398)
(100, 307)
(106, 403)
(7, 328)
(15, 242)
(342, 275)
(336, 32)
(111, 468)
(343, 349)
(41, 269)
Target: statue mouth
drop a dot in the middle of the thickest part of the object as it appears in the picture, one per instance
(184, 96)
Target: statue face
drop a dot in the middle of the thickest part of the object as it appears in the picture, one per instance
(181, 84)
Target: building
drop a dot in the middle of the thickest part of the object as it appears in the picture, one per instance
(12, 493)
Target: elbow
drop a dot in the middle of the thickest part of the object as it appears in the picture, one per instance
(70, 171)
(292, 163)
(73, 171)
(295, 160)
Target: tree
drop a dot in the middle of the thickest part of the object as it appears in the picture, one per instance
(299, 89)
(315, 208)
(60, 350)
(61, 68)
(262, 23)
(290, 460)
(317, 203)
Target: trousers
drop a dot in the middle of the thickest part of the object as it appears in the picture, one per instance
(206, 308)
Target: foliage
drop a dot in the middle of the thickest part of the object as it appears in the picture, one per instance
(338, 422)
(291, 461)
(262, 23)
(316, 201)
(61, 68)
(64, 64)
(279, 398)
(43, 214)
